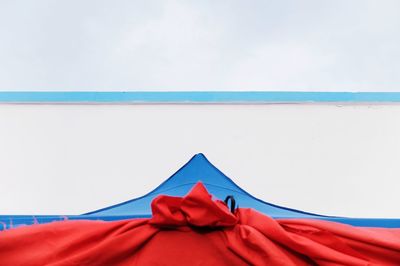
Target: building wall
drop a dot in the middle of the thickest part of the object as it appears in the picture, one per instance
(329, 159)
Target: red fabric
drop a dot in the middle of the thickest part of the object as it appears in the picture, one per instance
(195, 230)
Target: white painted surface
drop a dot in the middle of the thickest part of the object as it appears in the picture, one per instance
(69, 159)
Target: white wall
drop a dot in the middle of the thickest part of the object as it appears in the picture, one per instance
(69, 159)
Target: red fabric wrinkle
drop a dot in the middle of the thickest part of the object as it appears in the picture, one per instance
(197, 230)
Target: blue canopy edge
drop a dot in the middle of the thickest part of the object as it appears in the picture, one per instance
(179, 184)
(217, 183)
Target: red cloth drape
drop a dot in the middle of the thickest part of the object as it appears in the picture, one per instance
(196, 230)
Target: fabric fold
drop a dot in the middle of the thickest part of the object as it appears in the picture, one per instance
(196, 229)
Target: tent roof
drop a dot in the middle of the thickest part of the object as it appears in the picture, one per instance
(218, 184)
(179, 184)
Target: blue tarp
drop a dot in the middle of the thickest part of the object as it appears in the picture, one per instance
(179, 184)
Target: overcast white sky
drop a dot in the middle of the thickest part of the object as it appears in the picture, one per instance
(341, 45)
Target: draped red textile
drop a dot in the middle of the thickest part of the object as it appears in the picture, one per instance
(196, 230)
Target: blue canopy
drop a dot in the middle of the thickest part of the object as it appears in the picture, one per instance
(218, 184)
(179, 184)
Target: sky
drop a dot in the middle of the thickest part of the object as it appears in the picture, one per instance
(94, 45)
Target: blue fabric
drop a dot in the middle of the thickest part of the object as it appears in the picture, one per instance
(179, 184)
(218, 184)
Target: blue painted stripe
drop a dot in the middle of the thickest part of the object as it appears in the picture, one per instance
(199, 97)
(14, 221)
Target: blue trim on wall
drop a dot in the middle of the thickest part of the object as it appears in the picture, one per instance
(247, 97)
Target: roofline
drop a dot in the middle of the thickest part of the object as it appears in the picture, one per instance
(193, 97)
